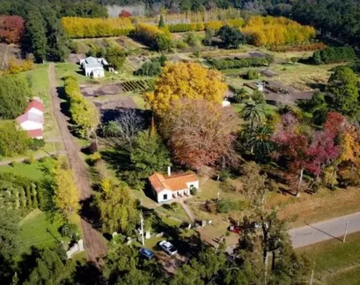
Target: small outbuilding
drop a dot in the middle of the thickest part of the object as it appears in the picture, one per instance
(169, 187)
(94, 67)
(32, 121)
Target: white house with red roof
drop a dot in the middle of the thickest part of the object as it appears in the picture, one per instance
(168, 187)
(32, 120)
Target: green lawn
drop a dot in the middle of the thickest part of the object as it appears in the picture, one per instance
(336, 262)
(33, 171)
(33, 232)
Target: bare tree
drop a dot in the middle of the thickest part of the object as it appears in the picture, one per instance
(124, 129)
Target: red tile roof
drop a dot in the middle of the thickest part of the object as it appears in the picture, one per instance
(34, 104)
(173, 183)
(35, 133)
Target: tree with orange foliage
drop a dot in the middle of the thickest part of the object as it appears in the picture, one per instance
(185, 80)
(199, 133)
(11, 29)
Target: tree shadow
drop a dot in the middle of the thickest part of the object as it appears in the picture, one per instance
(65, 105)
(6, 271)
(27, 263)
(89, 212)
(88, 274)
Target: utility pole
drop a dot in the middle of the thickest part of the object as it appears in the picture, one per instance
(346, 229)
(312, 275)
(218, 186)
(142, 228)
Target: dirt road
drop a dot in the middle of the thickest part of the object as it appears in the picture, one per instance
(94, 242)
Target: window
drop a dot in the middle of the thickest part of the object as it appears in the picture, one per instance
(191, 186)
(165, 197)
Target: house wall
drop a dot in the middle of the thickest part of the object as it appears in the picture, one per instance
(160, 196)
(29, 125)
(96, 72)
(194, 183)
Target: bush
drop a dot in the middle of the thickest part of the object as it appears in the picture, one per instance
(333, 55)
(12, 141)
(252, 74)
(36, 144)
(193, 191)
(210, 206)
(180, 44)
(29, 160)
(93, 158)
(192, 40)
(70, 230)
(222, 64)
(149, 69)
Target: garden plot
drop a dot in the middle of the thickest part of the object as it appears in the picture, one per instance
(112, 109)
(118, 88)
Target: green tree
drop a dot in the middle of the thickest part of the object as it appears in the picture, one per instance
(116, 57)
(149, 154)
(36, 34)
(9, 233)
(117, 208)
(12, 140)
(344, 92)
(253, 113)
(162, 43)
(51, 268)
(259, 142)
(231, 36)
(209, 34)
(258, 97)
(123, 265)
(14, 95)
(161, 24)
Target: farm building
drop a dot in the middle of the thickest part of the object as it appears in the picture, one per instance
(168, 187)
(32, 120)
(94, 67)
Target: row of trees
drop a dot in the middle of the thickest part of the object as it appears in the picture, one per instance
(83, 113)
(76, 27)
(221, 64)
(213, 25)
(159, 38)
(277, 31)
(333, 55)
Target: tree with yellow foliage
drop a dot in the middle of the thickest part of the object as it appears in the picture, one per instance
(185, 80)
(66, 195)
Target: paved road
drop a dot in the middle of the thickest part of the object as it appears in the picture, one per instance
(329, 229)
(94, 243)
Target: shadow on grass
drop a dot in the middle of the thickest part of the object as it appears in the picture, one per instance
(88, 274)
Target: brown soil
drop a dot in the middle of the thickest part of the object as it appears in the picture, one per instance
(94, 243)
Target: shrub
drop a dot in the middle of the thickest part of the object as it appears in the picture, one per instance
(210, 206)
(36, 144)
(149, 69)
(222, 64)
(29, 160)
(93, 158)
(192, 39)
(193, 191)
(252, 74)
(70, 230)
(180, 44)
(333, 55)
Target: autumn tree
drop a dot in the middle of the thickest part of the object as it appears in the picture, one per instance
(344, 92)
(200, 132)
(12, 29)
(185, 80)
(66, 195)
(117, 208)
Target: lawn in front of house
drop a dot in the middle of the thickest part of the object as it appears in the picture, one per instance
(34, 170)
(335, 262)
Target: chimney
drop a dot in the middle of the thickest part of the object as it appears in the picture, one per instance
(169, 170)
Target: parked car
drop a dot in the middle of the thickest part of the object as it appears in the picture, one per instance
(234, 229)
(148, 254)
(168, 247)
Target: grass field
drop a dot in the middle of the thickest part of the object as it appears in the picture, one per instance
(336, 262)
(37, 230)
(33, 171)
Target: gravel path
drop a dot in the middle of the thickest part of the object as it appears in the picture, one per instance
(94, 243)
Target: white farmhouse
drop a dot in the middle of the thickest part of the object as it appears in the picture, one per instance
(167, 188)
(93, 67)
(32, 120)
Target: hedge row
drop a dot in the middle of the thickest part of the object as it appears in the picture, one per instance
(334, 55)
(222, 64)
(308, 47)
(83, 113)
(76, 27)
(214, 25)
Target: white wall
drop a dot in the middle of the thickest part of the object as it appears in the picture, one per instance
(97, 72)
(160, 196)
(195, 184)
